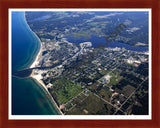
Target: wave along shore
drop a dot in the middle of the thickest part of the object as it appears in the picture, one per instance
(39, 77)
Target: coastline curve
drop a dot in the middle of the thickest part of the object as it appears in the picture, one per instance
(33, 65)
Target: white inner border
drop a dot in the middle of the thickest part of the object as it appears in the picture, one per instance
(83, 117)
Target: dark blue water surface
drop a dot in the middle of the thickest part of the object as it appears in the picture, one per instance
(101, 40)
(28, 97)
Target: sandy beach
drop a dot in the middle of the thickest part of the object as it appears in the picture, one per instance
(36, 61)
(38, 79)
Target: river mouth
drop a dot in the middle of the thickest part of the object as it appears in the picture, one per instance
(28, 97)
(22, 73)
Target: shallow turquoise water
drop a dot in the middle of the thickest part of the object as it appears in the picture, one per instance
(28, 97)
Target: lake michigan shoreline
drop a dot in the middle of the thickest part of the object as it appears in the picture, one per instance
(36, 77)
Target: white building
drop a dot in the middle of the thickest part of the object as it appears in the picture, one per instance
(106, 79)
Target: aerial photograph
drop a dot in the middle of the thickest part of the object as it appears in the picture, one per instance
(80, 62)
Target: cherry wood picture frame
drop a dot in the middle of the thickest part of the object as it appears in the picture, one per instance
(5, 5)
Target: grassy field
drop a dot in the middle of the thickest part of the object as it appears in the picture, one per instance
(114, 79)
(92, 105)
(63, 90)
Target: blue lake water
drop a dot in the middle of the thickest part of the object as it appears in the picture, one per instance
(28, 97)
(101, 40)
